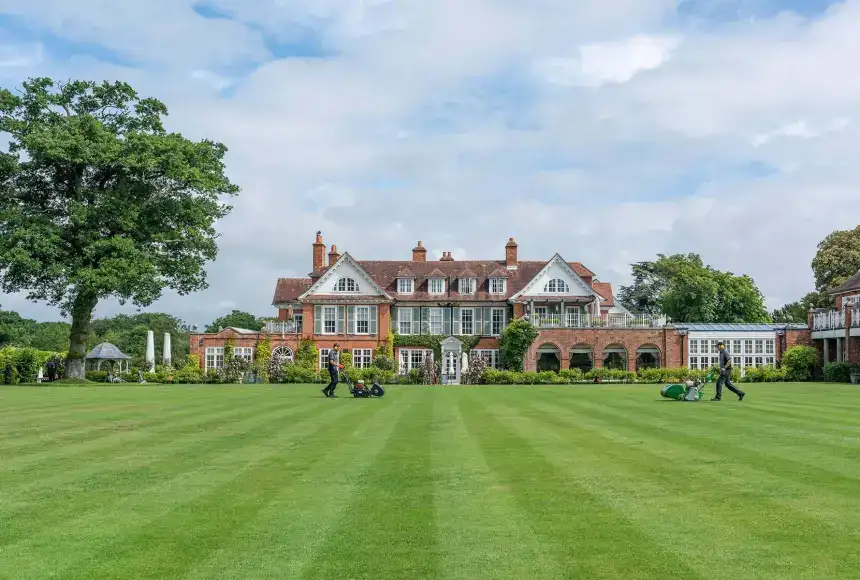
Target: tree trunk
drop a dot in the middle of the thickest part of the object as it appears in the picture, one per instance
(82, 316)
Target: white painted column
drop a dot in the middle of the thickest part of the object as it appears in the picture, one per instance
(167, 351)
(150, 350)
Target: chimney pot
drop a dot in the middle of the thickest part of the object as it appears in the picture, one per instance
(511, 259)
(419, 253)
(318, 253)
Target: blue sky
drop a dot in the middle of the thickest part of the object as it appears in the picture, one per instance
(606, 131)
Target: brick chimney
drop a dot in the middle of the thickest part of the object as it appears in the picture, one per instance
(333, 255)
(511, 254)
(319, 254)
(446, 257)
(419, 253)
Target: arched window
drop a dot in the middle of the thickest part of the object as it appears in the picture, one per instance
(346, 285)
(282, 354)
(556, 286)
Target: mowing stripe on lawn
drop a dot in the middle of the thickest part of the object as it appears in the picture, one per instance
(389, 531)
(95, 535)
(581, 529)
(771, 524)
(481, 530)
(324, 480)
(93, 485)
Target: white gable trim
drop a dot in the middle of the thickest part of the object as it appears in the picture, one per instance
(332, 272)
(557, 259)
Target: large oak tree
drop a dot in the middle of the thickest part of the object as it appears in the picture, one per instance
(683, 288)
(837, 259)
(98, 200)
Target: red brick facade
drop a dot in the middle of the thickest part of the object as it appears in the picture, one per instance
(302, 295)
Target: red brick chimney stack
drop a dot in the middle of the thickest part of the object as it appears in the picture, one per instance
(319, 253)
(333, 255)
(446, 257)
(419, 253)
(511, 254)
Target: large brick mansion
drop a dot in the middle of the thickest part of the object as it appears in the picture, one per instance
(581, 325)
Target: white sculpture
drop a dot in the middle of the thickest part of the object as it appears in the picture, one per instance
(150, 351)
(166, 354)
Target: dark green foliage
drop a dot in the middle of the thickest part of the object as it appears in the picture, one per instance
(514, 343)
(128, 333)
(683, 288)
(840, 372)
(307, 355)
(98, 200)
(236, 319)
(799, 362)
(837, 259)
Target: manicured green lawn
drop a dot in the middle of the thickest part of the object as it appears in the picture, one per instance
(444, 483)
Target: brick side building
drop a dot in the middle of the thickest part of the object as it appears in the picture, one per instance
(580, 325)
(836, 332)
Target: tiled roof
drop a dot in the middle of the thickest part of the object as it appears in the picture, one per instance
(737, 327)
(348, 298)
(853, 283)
(106, 351)
(605, 291)
(289, 289)
(385, 273)
(499, 273)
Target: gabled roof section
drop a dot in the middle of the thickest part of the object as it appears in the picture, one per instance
(557, 260)
(499, 273)
(289, 289)
(850, 285)
(332, 273)
(437, 273)
(466, 273)
(405, 272)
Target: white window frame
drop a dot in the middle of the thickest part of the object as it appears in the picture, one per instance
(439, 282)
(467, 285)
(694, 348)
(498, 285)
(770, 347)
(493, 322)
(405, 286)
(216, 353)
(324, 357)
(245, 352)
(298, 318)
(343, 285)
(362, 358)
(359, 310)
(759, 347)
(326, 310)
(434, 329)
(491, 355)
(411, 359)
(471, 312)
(401, 320)
(556, 286)
(737, 347)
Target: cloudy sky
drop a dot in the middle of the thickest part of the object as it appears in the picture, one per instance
(607, 131)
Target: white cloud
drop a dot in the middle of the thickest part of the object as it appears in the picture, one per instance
(604, 131)
(20, 56)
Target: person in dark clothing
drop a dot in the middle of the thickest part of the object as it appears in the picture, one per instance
(52, 369)
(726, 375)
(333, 371)
(7, 374)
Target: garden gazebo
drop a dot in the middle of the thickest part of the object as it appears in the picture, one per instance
(106, 352)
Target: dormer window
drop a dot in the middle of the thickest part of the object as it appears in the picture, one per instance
(405, 285)
(467, 285)
(556, 286)
(436, 286)
(346, 285)
(497, 285)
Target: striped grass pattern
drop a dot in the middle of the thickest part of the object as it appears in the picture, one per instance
(448, 483)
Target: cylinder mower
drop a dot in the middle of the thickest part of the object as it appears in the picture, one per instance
(688, 391)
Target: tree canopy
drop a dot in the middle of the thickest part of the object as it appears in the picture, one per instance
(837, 259)
(236, 319)
(24, 332)
(683, 288)
(98, 200)
(797, 312)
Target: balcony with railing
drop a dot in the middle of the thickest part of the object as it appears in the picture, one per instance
(834, 320)
(283, 327)
(579, 320)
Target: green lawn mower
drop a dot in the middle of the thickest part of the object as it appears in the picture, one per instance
(689, 391)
